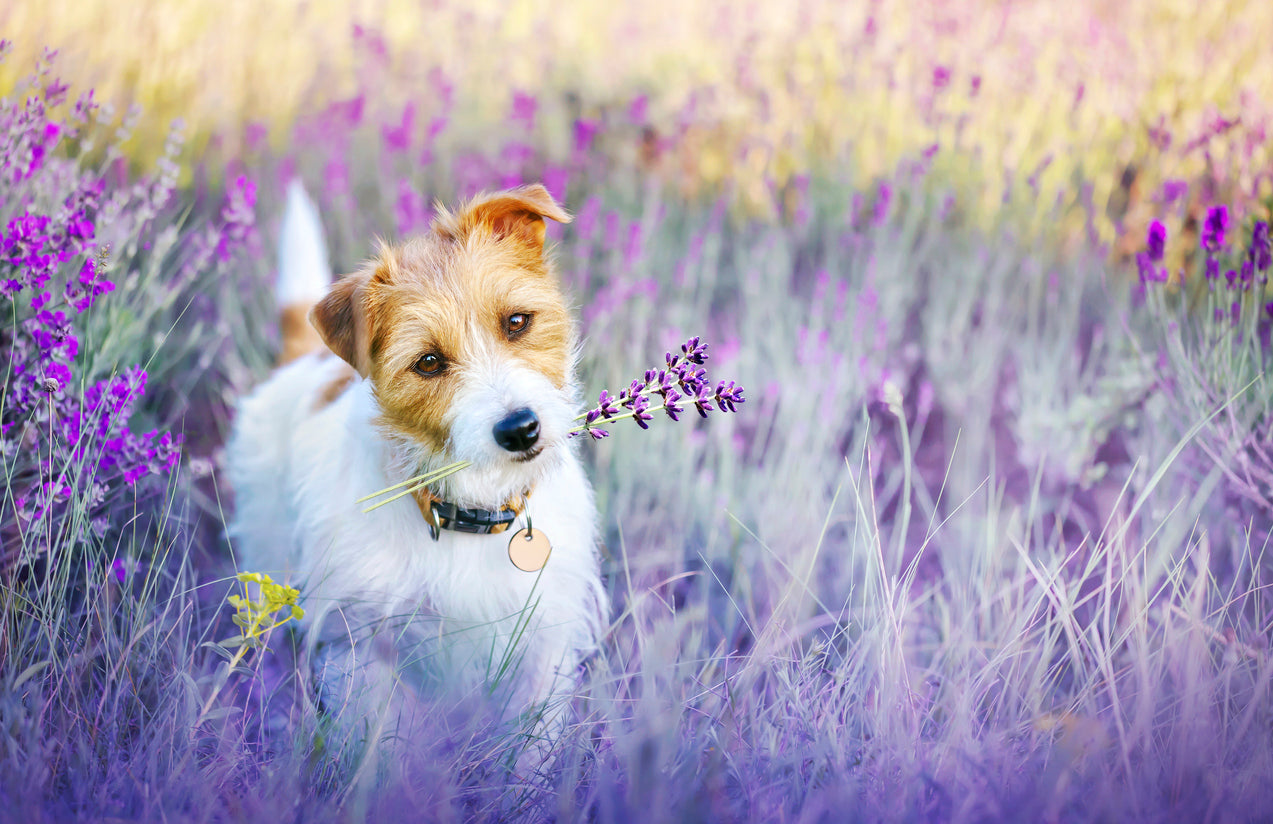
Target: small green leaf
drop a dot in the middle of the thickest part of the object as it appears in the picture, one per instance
(223, 648)
(29, 672)
(221, 712)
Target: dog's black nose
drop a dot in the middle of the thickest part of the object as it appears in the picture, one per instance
(518, 431)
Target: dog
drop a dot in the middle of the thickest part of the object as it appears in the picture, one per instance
(454, 346)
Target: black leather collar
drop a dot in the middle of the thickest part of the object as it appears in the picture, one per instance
(473, 521)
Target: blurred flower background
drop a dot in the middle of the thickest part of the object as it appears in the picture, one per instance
(989, 539)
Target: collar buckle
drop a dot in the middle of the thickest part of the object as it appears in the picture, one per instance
(473, 521)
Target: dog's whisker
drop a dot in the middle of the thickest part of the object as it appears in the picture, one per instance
(455, 467)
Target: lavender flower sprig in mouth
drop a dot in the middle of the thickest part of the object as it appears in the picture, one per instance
(682, 383)
(682, 380)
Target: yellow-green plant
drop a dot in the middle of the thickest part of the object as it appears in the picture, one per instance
(255, 619)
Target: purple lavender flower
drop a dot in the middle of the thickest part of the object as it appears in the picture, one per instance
(638, 109)
(336, 178)
(728, 395)
(1145, 268)
(436, 126)
(523, 109)
(585, 131)
(640, 413)
(56, 377)
(671, 404)
(134, 473)
(703, 399)
(1173, 190)
(680, 372)
(397, 136)
(1215, 227)
(632, 249)
(625, 398)
(882, 203)
(410, 209)
(556, 179)
(239, 217)
(51, 271)
(1156, 241)
(694, 351)
(1212, 270)
(91, 285)
(606, 405)
(692, 380)
(1261, 251)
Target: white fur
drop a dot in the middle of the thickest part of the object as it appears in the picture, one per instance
(298, 466)
(297, 475)
(304, 271)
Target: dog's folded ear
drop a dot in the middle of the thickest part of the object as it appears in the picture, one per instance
(340, 319)
(514, 213)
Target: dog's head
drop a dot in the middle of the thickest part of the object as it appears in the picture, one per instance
(467, 341)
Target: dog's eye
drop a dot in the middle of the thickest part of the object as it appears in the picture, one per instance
(517, 323)
(429, 365)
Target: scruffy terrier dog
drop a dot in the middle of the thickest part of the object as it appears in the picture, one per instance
(453, 346)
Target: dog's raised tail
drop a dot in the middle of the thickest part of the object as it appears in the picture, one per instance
(304, 273)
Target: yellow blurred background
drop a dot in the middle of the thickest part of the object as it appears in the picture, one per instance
(1070, 90)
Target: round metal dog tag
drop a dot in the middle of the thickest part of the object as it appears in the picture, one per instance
(529, 550)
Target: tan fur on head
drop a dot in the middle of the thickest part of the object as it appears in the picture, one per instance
(515, 213)
(340, 319)
(450, 294)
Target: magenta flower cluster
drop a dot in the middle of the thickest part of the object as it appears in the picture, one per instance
(217, 243)
(1215, 228)
(1147, 262)
(1252, 265)
(1249, 268)
(682, 383)
(34, 248)
(58, 434)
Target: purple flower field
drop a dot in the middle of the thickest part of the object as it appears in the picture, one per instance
(988, 536)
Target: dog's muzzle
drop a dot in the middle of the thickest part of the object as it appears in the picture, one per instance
(518, 431)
